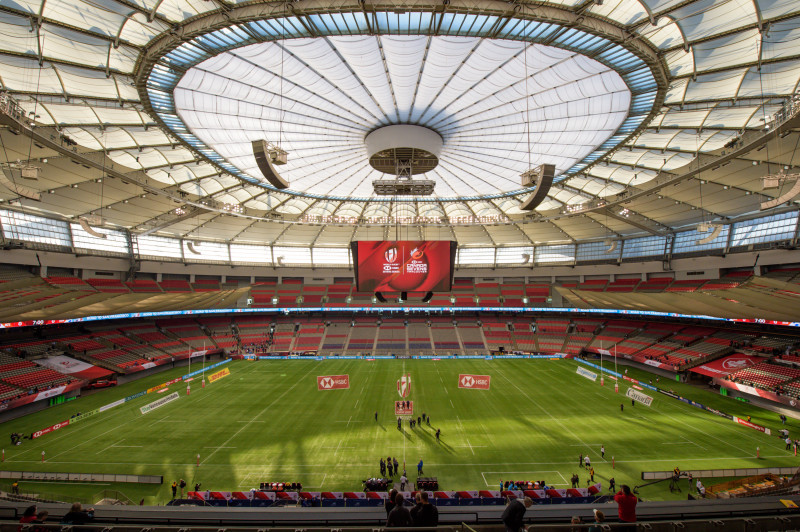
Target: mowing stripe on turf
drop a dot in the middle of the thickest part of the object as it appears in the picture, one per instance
(203, 462)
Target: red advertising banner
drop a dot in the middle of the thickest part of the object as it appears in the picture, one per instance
(474, 382)
(48, 430)
(333, 382)
(726, 365)
(403, 265)
(52, 392)
(751, 425)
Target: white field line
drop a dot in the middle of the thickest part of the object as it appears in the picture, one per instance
(258, 415)
(543, 409)
(470, 464)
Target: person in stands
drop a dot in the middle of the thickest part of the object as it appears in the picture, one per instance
(77, 515)
(29, 515)
(626, 502)
(514, 514)
(399, 517)
(426, 514)
(389, 504)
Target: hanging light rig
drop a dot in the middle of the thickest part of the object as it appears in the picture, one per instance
(268, 154)
(542, 175)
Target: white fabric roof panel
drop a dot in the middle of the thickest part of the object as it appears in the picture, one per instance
(586, 110)
(319, 98)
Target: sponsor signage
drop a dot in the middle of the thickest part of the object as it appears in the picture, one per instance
(403, 265)
(218, 375)
(404, 385)
(85, 415)
(586, 373)
(333, 382)
(726, 365)
(752, 425)
(50, 429)
(207, 368)
(403, 408)
(158, 404)
(381, 309)
(474, 382)
(639, 397)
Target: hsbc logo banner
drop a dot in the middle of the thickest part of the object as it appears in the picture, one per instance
(48, 430)
(333, 382)
(474, 382)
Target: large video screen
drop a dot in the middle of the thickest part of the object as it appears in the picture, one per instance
(404, 265)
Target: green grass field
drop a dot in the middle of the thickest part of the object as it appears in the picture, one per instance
(267, 422)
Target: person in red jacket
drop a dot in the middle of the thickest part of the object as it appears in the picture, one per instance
(626, 502)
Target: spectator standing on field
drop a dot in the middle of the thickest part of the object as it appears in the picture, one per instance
(174, 489)
(626, 502)
(182, 485)
(403, 481)
(514, 514)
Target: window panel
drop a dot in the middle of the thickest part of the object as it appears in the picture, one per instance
(159, 247)
(467, 256)
(251, 254)
(648, 246)
(514, 255)
(767, 229)
(551, 254)
(686, 241)
(287, 255)
(22, 226)
(114, 242)
(331, 256)
(597, 251)
(215, 251)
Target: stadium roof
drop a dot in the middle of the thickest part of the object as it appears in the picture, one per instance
(622, 96)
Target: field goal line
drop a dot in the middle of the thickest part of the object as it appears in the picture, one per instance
(484, 473)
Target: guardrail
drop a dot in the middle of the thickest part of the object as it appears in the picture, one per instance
(750, 524)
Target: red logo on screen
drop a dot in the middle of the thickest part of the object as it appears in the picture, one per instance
(391, 255)
(416, 254)
(474, 382)
(333, 382)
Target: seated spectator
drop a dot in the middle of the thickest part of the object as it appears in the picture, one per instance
(29, 515)
(77, 516)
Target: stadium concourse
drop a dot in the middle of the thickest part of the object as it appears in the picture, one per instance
(253, 248)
